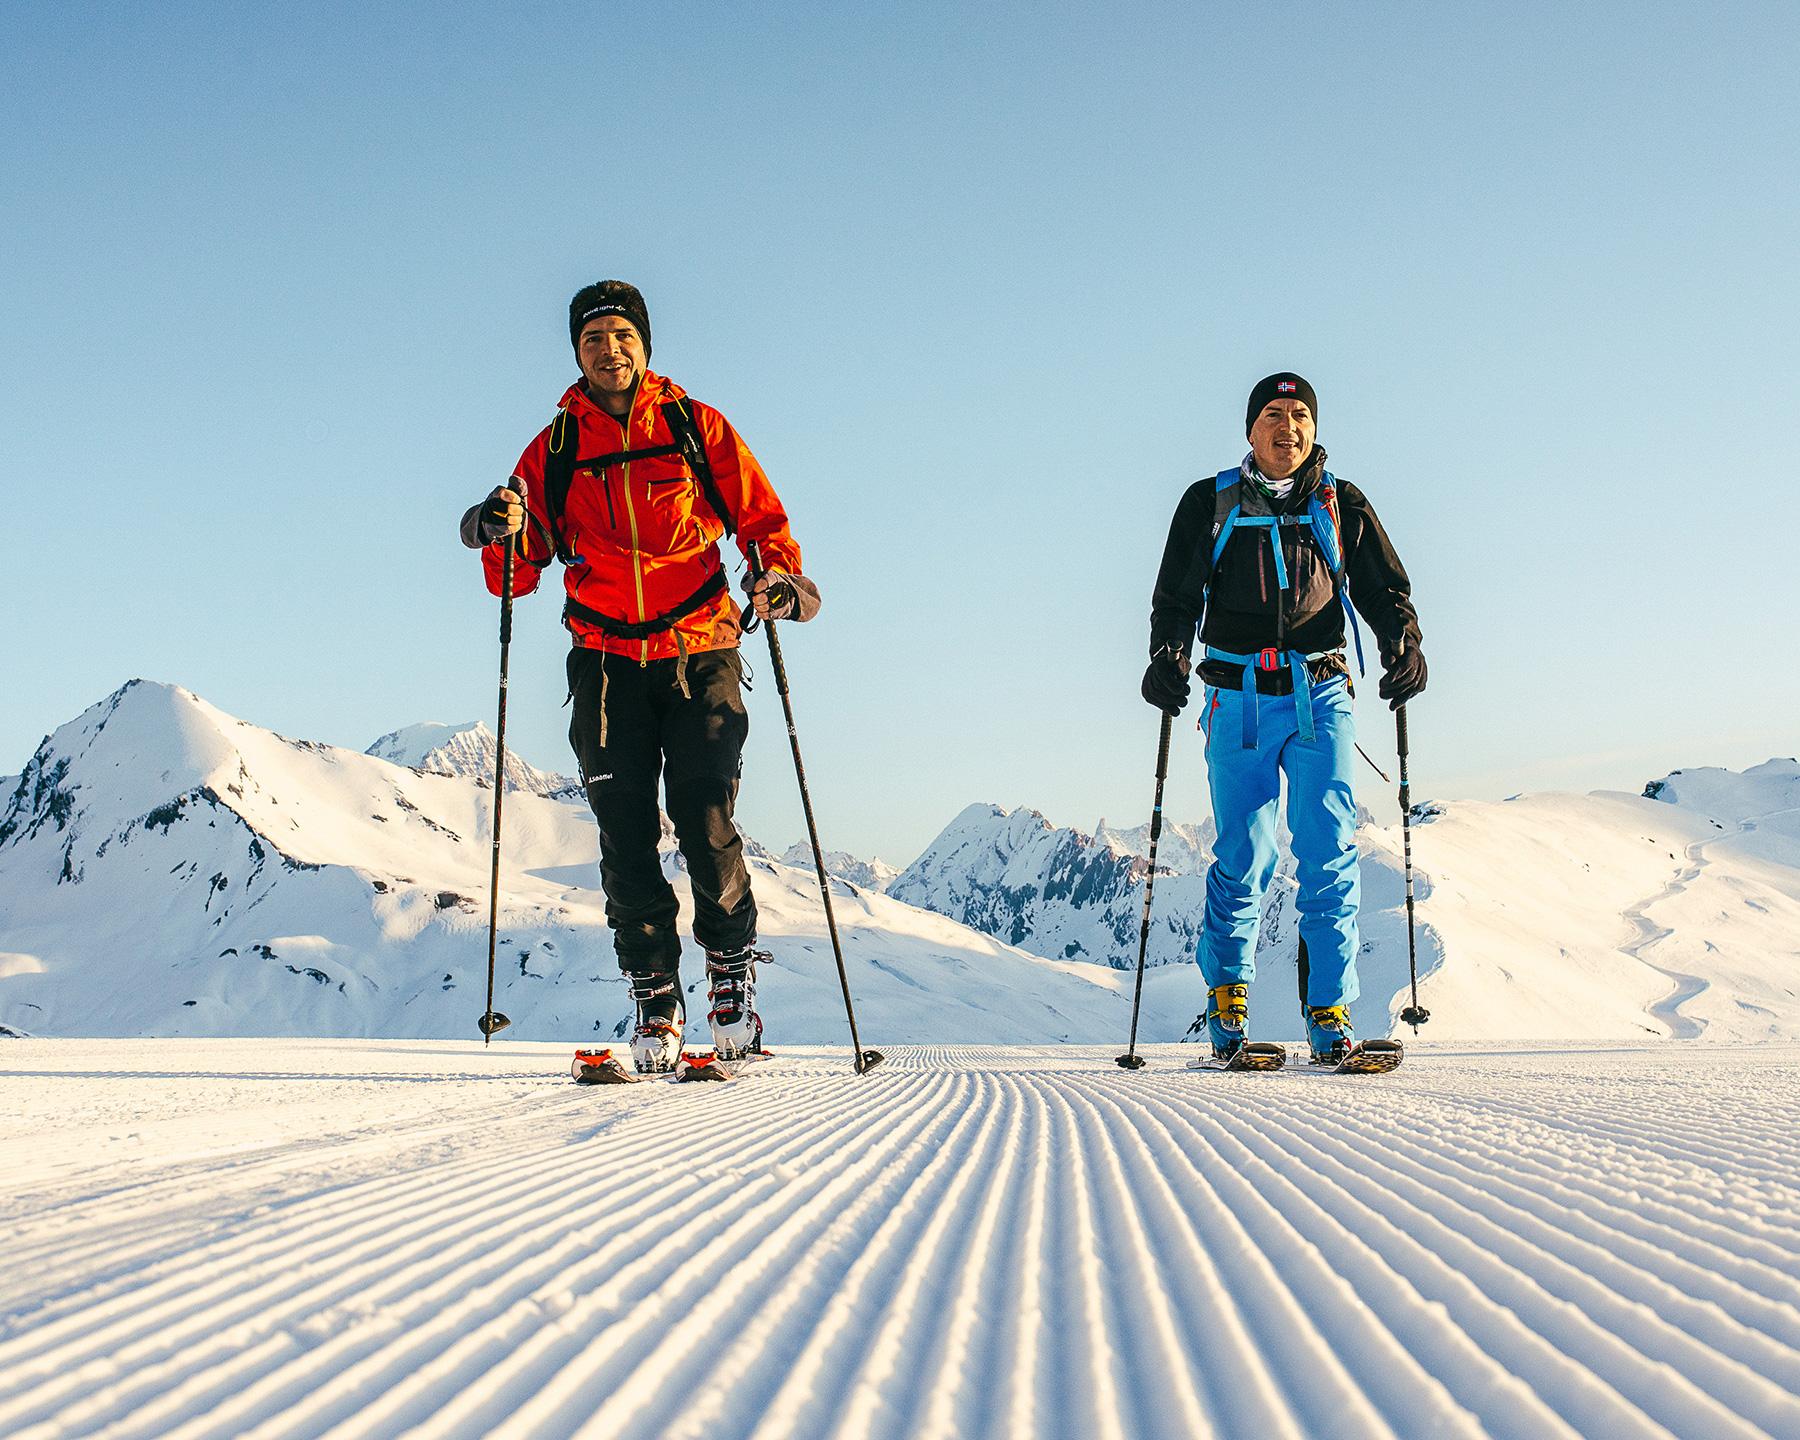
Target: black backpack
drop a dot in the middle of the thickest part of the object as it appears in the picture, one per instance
(560, 466)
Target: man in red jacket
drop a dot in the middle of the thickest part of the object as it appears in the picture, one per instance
(632, 486)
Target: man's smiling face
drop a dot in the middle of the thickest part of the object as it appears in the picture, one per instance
(611, 354)
(1282, 437)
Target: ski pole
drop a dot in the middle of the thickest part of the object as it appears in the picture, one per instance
(866, 1060)
(1414, 1014)
(491, 1021)
(1131, 1060)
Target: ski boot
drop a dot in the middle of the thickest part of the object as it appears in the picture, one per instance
(656, 1042)
(731, 989)
(1329, 1032)
(1227, 1015)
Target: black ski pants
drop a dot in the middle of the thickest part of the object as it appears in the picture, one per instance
(631, 725)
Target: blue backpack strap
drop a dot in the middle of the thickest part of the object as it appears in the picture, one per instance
(1325, 531)
(1226, 508)
(1331, 540)
(1270, 525)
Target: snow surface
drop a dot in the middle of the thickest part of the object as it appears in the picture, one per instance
(253, 1238)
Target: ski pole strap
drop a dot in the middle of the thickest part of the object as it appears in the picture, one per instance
(1298, 665)
(714, 584)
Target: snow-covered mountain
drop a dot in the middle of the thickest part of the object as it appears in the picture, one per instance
(468, 750)
(1067, 895)
(1672, 913)
(874, 874)
(1058, 891)
(166, 868)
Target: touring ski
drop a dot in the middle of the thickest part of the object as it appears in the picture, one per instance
(1367, 1057)
(1251, 1055)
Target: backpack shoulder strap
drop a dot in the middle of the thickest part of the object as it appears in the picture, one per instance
(559, 474)
(679, 417)
(1226, 508)
(1328, 528)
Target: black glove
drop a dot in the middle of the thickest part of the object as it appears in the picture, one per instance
(1402, 673)
(777, 590)
(502, 513)
(1166, 681)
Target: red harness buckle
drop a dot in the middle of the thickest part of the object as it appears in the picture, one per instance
(1269, 659)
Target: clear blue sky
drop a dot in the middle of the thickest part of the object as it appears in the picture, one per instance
(985, 287)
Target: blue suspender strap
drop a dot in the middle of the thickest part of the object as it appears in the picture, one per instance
(1354, 629)
(1297, 667)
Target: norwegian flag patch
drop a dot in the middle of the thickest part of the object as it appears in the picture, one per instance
(1284, 387)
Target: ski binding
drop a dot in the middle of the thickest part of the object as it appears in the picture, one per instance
(600, 1067)
(1251, 1055)
(710, 1065)
(701, 1065)
(1367, 1057)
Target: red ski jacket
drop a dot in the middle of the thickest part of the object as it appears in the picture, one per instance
(641, 534)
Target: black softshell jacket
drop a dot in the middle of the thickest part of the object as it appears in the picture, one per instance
(1248, 611)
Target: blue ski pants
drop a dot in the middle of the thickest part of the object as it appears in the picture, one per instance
(1321, 813)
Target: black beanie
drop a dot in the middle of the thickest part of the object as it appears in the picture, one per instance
(1285, 386)
(609, 297)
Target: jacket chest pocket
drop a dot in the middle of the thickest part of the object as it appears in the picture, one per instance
(595, 509)
(669, 503)
(1312, 586)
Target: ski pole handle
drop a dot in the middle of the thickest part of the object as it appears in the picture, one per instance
(1162, 774)
(1401, 746)
(513, 543)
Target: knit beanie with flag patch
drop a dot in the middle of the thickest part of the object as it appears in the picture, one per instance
(1285, 386)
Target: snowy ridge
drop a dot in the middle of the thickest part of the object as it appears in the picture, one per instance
(470, 751)
(874, 874)
(1063, 894)
(1588, 915)
(970, 1243)
(1056, 891)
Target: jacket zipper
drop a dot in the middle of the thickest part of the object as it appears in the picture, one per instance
(1281, 598)
(637, 567)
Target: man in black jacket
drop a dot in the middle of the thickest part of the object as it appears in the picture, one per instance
(1273, 553)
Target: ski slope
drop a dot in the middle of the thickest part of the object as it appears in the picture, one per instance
(236, 1238)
